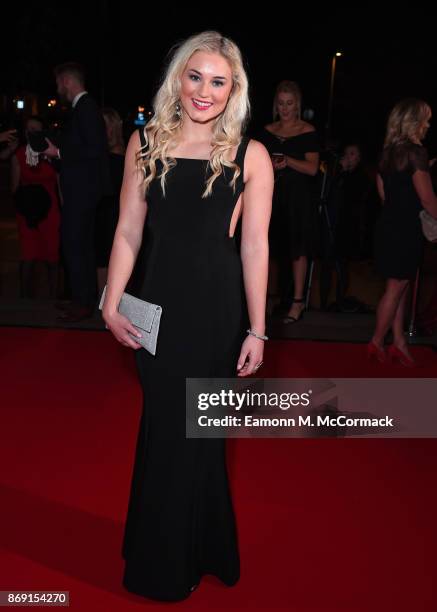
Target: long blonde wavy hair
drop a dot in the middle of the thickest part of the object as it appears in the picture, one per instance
(163, 130)
(405, 121)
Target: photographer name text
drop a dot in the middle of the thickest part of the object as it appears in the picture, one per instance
(301, 421)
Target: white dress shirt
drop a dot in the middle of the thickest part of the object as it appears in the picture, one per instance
(77, 98)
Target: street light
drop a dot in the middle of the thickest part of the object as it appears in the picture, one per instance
(331, 94)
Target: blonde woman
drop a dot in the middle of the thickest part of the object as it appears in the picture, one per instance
(405, 187)
(294, 148)
(187, 197)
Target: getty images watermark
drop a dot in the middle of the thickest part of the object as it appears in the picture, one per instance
(310, 407)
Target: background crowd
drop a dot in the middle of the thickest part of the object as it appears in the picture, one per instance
(327, 205)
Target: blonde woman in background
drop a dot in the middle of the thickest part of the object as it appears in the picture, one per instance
(294, 149)
(405, 187)
(188, 178)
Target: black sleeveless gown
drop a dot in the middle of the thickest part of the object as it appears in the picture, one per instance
(180, 522)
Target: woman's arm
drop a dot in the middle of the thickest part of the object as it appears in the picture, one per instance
(380, 188)
(126, 244)
(423, 186)
(309, 165)
(254, 248)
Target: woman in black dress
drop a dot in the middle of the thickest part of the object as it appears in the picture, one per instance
(294, 149)
(195, 165)
(405, 187)
(107, 210)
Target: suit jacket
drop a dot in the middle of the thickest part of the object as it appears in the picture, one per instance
(84, 174)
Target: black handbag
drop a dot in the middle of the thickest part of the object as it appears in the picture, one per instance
(33, 202)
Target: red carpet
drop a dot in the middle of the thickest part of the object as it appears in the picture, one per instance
(324, 525)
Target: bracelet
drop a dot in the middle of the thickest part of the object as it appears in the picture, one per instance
(252, 333)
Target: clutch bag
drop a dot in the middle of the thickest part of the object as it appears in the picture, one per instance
(143, 315)
(429, 225)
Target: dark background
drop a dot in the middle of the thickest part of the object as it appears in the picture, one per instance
(123, 46)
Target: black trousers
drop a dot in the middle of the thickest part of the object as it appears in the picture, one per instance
(77, 243)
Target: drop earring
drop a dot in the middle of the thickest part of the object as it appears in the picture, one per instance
(178, 110)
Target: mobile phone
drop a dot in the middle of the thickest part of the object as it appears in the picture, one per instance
(38, 142)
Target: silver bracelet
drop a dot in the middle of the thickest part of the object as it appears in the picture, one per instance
(252, 333)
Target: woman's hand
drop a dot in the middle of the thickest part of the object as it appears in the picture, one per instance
(8, 136)
(251, 355)
(52, 150)
(279, 164)
(119, 325)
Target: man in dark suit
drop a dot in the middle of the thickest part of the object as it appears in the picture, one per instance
(84, 179)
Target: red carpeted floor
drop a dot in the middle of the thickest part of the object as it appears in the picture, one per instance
(324, 525)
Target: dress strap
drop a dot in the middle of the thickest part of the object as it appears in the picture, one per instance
(239, 160)
(241, 152)
(142, 136)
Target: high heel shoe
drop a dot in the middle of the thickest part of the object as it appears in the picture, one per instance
(375, 352)
(289, 318)
(395, 354)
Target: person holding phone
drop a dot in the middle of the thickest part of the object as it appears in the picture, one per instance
(34, 179)
(294, 149)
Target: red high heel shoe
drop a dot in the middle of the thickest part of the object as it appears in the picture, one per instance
(395, 354)
(374, 352)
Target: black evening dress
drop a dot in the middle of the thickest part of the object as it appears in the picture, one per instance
(293, 226)
(398, 234)
(180, 521)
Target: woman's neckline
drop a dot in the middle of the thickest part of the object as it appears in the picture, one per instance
(206, 160)
(190, 158)
(198, 159)
(288, 137)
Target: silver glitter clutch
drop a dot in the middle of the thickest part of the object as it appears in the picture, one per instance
(143, 315)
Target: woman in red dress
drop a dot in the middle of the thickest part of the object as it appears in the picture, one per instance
(40, 243)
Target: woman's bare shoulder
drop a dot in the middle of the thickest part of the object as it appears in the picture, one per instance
(133, 149)
(307, 127)
(134, 140)
(255, 148)
(272, 127)
(257, 158)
